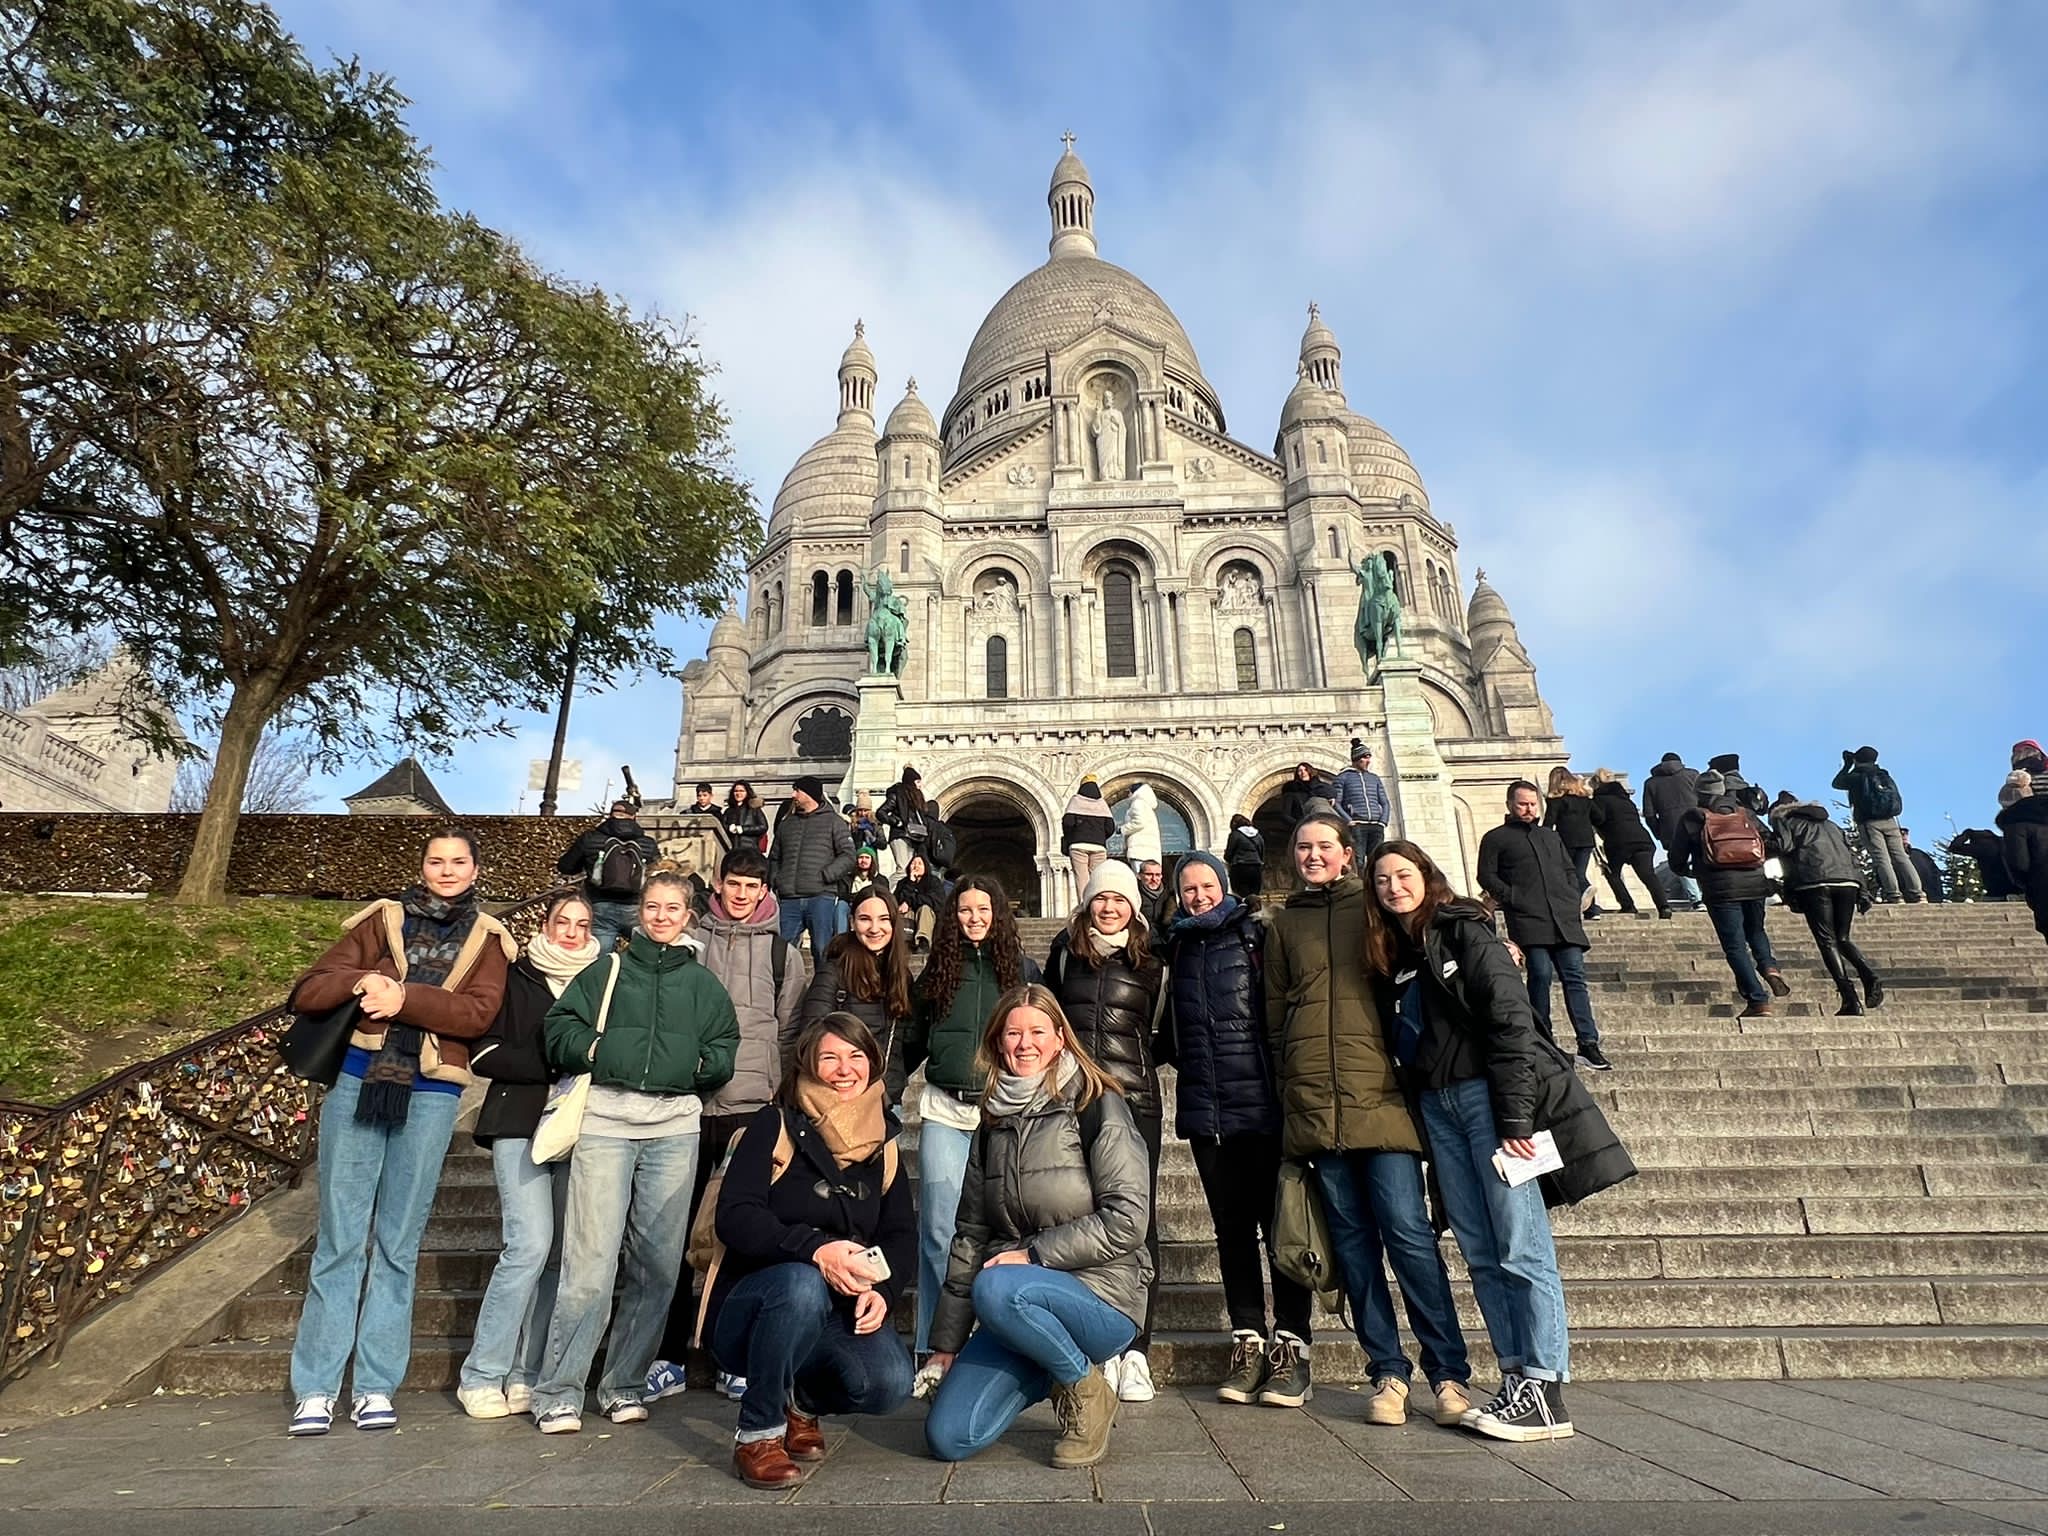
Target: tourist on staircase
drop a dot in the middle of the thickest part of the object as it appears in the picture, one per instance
(1569, 813)
(1085, 830)
(612, 860)
(798, 1309)
(739, 942)
(1625, 842)
(654, 1030)
(1343, 1112)
(429, 971)
(866, 972)
(906, 817)
(1875, 806)
(1244, 854)
(1723, 845)
(503, 1365)
(812, 849)
(1932, 885)
(1524, 867)
(1362, 801)
(1108, 980)
(866, 871)
(1155, 896)
(744, 819)
(1309, 791)
(1228, 1111)
(1668, 794)
(1824, 886)
(1049, 1267)
(1141, 828)
(976, 960)
(920, 896)
(2023, 821)
(1488, 1082)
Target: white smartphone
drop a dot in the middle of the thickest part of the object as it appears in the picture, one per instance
(877, 1263)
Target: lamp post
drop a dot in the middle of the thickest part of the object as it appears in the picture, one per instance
(548, 794)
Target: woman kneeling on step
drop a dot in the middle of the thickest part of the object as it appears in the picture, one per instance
(1049, 1251)
(1486, 1081)
(798, 1306)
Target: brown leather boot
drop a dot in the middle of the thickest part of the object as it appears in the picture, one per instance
(765, 1464)
(802, 1438)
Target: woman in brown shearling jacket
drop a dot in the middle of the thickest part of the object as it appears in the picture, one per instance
(429, 970)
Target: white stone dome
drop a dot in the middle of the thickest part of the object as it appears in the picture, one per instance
(912, 417)
(1050, 306)
(1380, 467)
(838, 476)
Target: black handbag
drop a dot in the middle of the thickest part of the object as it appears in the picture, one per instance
(314, 1045)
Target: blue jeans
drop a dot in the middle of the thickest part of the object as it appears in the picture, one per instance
(1503, 1232)
(1565, 963)
(1375, 1203)
(1034, 1326)
(1739, 925)
(620, 1191)
(785, 1331)
(377, 1186)
(819, 914)
(612, 920)
(941, 1168)
(512, 1325)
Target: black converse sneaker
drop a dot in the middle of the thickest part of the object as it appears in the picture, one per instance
(1287, 1379)
(1247, 1368)
(1495, 1404)
(1536, 1412)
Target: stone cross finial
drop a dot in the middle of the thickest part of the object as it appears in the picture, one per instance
(911, 387)
(1480, 575)
(1068, 140)
(1314, 309)
(860, 328)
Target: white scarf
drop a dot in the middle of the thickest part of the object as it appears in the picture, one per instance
(1107, 944)
(558, 966)
(1012, 1095)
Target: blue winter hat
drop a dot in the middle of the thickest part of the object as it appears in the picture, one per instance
(1200, 856)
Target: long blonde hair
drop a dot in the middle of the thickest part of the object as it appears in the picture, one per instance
(1609, 776)
(1564, 782)
(1090, 1085)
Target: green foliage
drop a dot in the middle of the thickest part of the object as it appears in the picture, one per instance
(1965, 879)
(321, 453)
(93, 986)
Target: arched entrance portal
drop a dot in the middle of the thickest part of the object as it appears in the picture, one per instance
(996, 839)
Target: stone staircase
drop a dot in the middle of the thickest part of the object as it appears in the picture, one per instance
(1818, 1197)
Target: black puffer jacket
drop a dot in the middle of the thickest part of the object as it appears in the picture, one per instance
(1112, 1009)
(581, 861)
(1571, 818)
(1472, 989)
(513, 1055)
(1215, 1030)
(2024, 824)
(1621, 829)
(1667, 796)
(812, 852)
(1525, 868)
(1811, 847)
(1245, 845)
(1086, 821)
(1718, 886)
(746, 825)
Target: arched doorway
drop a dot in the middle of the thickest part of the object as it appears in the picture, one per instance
(996, 838)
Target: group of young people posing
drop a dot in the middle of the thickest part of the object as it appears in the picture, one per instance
(1363, 1027)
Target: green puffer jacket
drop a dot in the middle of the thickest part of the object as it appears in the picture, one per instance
(1337, 1086)
(671, 1028)
(945, 1043)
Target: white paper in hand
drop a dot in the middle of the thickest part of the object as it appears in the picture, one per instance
(1520, 1170)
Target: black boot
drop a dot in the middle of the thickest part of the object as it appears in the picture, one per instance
(1852, 1005)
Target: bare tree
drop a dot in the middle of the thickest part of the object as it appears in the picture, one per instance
(278, 785)
(52, 666)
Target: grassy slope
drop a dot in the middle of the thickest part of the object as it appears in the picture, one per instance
(93, 986)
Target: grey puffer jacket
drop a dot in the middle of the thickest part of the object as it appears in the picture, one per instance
(1034, 1182)
(1812, 849)
(811, 853)
(742, 957)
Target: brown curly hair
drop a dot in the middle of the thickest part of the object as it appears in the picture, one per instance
(941, 978)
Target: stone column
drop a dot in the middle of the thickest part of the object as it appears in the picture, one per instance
(874, 735)
(1417, 781)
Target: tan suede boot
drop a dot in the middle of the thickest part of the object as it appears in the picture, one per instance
(1086, 1411)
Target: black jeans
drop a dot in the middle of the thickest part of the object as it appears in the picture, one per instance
(1366, 836)
(715, 1133)
(1240, 1177)
(1645, 866)
(1830, 910)
(1149, 1129)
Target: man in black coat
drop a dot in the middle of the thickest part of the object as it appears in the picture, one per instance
(612, 859)
(813, 851)
(1923, 865)
(1667, 796)
(1524, 867)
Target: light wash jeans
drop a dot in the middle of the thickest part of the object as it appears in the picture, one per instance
(1503, 1233)
(1888, 859)
(512, 1325)
(622, 1193)
(1033, 1326)
(377, 1187)
(941, 1168)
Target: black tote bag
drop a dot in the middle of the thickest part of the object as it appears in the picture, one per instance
(314, 1045)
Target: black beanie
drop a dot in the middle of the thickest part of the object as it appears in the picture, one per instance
(1727, 762)
(1673, 757)
(810, 784)
(1866, 754)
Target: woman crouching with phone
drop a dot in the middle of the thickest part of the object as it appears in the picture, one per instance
(816, 1218)
(1048, 1268)
(1467, 1051)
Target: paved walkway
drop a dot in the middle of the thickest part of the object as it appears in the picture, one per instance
(1811, 1458)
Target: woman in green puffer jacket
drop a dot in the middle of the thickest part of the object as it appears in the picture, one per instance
(666, 1035)
(976, 959)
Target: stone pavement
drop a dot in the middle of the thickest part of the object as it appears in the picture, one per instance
(1811, 1457)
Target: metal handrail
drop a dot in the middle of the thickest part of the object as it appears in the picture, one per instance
(134, 1172)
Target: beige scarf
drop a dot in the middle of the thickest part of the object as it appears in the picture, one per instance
(853, 1129)
(558, 966)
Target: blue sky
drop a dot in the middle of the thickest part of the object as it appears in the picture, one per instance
(1717, 331)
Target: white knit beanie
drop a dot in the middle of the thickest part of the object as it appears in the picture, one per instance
(1112, 875)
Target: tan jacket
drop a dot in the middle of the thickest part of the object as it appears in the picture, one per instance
(452, 1014)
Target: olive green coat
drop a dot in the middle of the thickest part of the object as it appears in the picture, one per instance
(1337, 1087)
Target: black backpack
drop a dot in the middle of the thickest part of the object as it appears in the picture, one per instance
(620, 865)
(942, 844)
(1874, 794)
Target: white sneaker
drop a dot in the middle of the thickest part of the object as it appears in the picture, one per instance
(312, 1416)
(734, 1387)
(627, 1411)
(373, 1410)
(1112, 1370)
(1134, 1378)
(519, 1399)
(482, 1402)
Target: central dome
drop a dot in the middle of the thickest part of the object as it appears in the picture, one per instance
(1067, 297)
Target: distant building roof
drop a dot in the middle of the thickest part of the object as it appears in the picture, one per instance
(403, 780)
